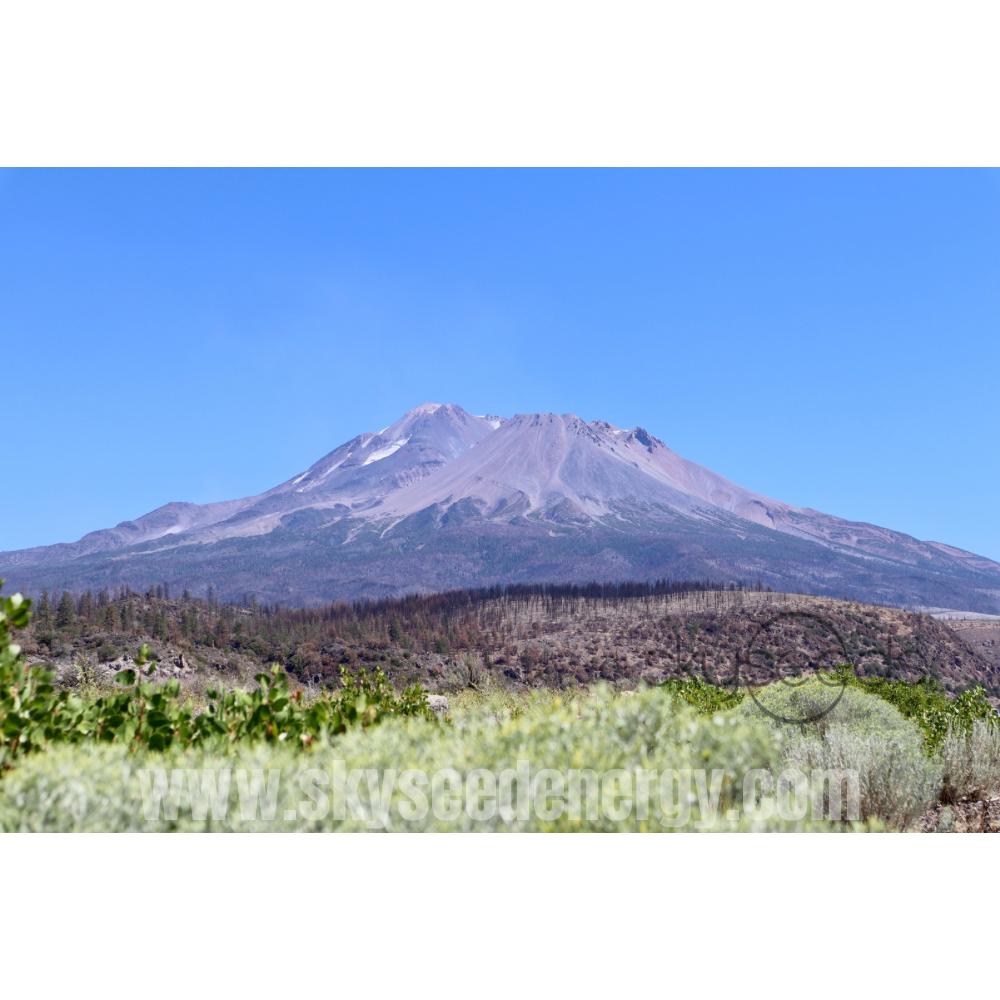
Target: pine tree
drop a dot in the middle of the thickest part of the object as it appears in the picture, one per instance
(44, 611)
(110, 618)
(66, 613)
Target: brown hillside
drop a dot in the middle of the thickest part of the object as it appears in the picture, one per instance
(549, 637)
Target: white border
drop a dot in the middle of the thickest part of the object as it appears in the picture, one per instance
(218, 82)
(533, 915)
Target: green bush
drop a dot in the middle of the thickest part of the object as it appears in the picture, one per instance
(707, 698)
(927, 704)
(865, 734)
(35, 715)
(491, 702)
(854, 710)
(106, 653)
(925, 701)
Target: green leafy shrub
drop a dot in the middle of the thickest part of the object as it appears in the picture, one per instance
(707, 698)
(926, 703)
(25, 694)
(34, 714)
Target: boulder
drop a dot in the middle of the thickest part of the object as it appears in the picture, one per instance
(438, 703)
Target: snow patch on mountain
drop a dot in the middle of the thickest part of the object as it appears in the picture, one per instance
(389, 449)
(494, 421)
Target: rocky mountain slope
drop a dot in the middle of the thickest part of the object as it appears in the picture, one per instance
(442, 498)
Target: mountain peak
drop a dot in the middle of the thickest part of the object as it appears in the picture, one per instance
(603, 425)
(446, 497)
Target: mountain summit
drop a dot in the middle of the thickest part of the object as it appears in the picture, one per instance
(442, 498)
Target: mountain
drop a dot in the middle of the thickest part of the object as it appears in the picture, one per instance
(443, 499)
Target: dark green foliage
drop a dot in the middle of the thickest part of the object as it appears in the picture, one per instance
(44, 611)
(25, 694)
(66, 613)
(707, 698)
(925, 702)
(189, 623)
(106, 652)
(395, 630)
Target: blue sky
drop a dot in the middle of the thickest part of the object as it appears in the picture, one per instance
(828, 338)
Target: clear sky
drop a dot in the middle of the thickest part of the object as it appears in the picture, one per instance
(830, 339)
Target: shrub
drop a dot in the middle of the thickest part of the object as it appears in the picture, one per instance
(464, 672)
(855, 710)
(34, 715)
(491, 702)
(862, 733)
(971, 761)
(707, 698)
(926, 703)
(897, 782)
(99, 788)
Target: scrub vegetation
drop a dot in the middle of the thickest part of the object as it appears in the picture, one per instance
(75, 759)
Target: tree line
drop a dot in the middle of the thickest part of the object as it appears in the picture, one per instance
(307, 639)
